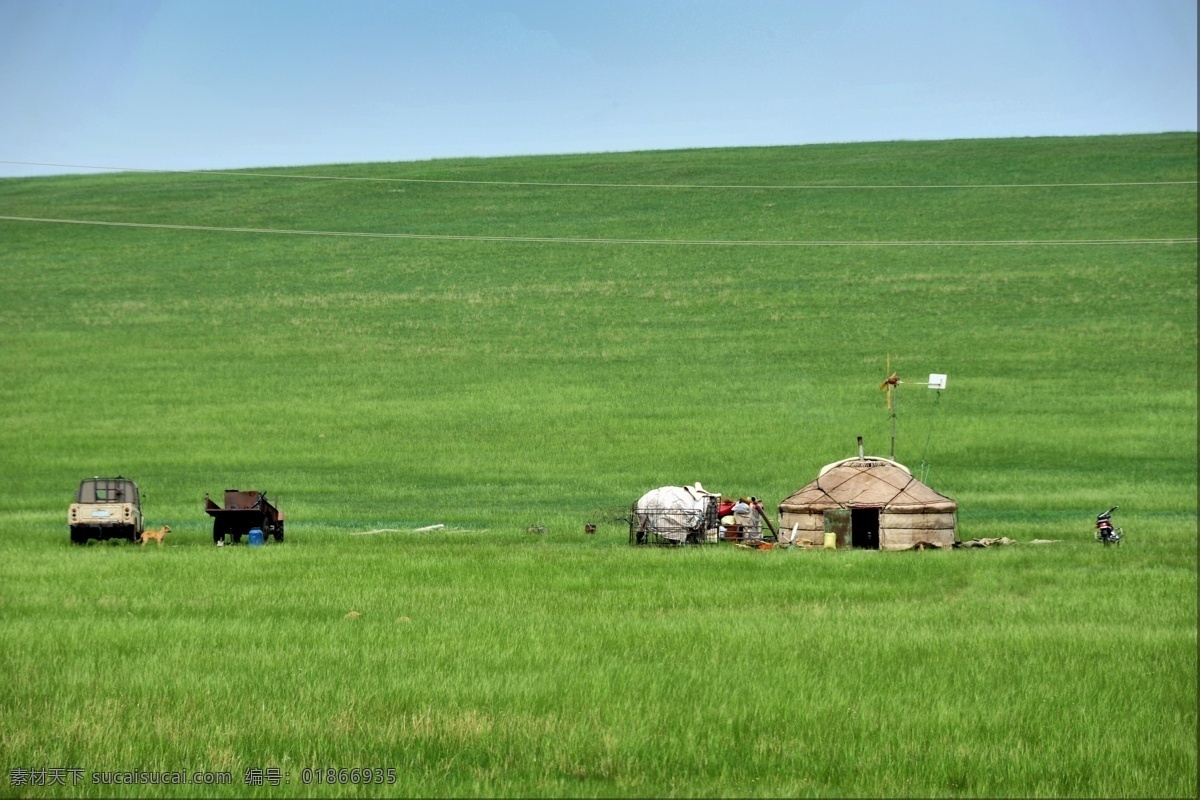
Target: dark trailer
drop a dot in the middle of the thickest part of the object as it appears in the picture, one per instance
(242, 512)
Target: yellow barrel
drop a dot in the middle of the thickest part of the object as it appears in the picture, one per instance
(831, 541)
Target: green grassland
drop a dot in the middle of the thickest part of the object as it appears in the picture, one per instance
(497, 384)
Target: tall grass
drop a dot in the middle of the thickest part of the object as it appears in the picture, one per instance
(505, 664)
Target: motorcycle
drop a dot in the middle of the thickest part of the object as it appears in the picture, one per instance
(1106, 534)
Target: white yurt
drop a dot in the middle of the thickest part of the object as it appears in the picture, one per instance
(869, 502)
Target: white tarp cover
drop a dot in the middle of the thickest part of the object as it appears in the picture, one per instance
(673, 512)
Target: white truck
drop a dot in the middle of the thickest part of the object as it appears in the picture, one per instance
(105, 508)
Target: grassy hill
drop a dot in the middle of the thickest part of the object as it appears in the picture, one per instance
(490, 382)
(731, 326)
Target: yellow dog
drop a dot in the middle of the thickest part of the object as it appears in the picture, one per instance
(157, 535)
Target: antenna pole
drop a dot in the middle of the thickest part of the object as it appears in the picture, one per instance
(890, 384)
(924, 470)
(895, 405)
(892, 403)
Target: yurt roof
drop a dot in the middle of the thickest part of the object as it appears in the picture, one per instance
(867, 482)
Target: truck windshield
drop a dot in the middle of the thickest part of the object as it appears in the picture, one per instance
(107, 490)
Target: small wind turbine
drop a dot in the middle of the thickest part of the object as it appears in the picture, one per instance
(892, 382)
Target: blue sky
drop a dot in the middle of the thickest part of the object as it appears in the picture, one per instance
(213, 84)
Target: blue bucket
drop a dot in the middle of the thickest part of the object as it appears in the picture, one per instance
(256, 537)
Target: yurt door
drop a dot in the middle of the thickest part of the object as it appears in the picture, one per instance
(837, 521)
(865, 525)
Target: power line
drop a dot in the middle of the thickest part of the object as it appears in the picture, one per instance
(793, 187)
(587, 240)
